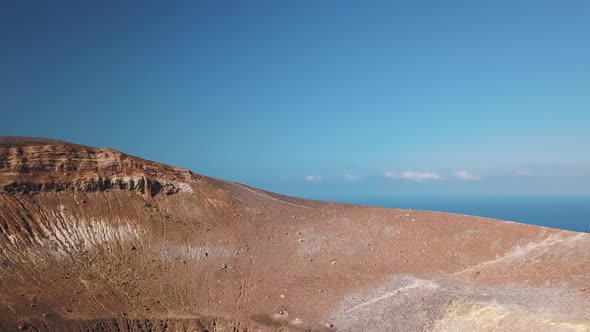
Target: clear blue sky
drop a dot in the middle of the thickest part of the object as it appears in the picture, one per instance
(314, 98)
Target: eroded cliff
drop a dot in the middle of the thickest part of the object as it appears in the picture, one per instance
(46, 165)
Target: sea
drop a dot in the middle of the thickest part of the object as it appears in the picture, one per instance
(568, 213)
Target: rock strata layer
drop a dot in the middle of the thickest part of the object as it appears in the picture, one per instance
(56, 166)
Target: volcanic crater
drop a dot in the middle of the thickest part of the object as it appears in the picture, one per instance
(92, 239)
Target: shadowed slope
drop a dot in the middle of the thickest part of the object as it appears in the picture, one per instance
(87, 243)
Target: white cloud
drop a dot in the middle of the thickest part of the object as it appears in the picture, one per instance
(413, 176)
(420, 176)
(522, 173)
(351, 177)
(390, 175)
(466, 176)
(312, 178)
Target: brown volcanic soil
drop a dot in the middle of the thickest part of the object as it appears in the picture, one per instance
(94, 239)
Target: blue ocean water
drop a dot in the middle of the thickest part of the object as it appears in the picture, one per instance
(570, 213)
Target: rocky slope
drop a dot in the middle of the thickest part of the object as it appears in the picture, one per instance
(96, 240)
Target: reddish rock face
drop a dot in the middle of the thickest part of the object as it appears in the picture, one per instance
(35, 165)
(94, 239)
